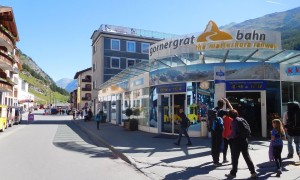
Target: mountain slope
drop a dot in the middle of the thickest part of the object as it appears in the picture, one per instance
(287, 22)
(62, 83)
(40, 83)
(72, 86)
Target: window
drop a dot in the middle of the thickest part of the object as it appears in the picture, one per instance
(130, 46)
(115, 44)
(130, 62)
(115, 62)
(145, 48)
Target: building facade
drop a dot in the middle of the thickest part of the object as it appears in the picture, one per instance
(194, 71)
(116, 48)
(84, 90)
(10, 63)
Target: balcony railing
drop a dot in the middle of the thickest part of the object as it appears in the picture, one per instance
(6, 58)
(86, 89)
(86, 80)
(5, 87)
(6, 38)
(8, 34)
(86, 98)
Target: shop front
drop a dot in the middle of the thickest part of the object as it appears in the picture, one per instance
(194, 71)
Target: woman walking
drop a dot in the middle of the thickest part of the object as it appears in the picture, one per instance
(276, 137)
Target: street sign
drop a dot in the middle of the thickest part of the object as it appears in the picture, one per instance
(30, 117)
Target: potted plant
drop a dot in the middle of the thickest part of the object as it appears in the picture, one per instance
(128, 113)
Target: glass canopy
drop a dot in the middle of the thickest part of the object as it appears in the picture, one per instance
(211, 56)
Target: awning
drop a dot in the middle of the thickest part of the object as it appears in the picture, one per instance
(210, 56)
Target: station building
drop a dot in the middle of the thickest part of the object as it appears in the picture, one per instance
(248, 66)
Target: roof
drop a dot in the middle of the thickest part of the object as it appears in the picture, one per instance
(80, 72)
(7, 19)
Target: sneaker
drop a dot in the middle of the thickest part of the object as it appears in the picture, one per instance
(230, 175)
(253, 176)
(289, 156)
(217, 164)
(176, 144)
(189, 144)
(278, 174)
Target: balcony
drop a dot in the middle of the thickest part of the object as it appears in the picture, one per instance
(6, 38)
(86, 98)
(6, 61)
(5, 86)
(15, 70)
(86, 89)
(86, 80)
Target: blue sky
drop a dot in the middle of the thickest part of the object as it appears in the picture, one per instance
(56, 33)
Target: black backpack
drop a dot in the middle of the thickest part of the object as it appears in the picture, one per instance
(293, 120)
(243, 128)
(186, 121)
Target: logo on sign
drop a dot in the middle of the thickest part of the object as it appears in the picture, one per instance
(293, 71)
(220, 73)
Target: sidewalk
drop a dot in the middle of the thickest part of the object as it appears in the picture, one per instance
(158, 158)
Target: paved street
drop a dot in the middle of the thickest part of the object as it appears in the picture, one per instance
(54, 148)
(158, 158)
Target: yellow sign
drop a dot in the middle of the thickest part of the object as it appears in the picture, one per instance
(212, 33)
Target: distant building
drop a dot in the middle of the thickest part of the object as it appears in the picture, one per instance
(25, 99)
(10, 63)
(116, 48)
(84, 90)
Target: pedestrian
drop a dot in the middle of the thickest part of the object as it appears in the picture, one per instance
(216, 134)
(99, 118)
(183, 128)
(238, 144)
(277, 135)
(291, 133)
(90, 114)
(216, 137)
(227, 131)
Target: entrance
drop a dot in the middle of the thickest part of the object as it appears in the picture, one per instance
(170, 120)
(248, 105)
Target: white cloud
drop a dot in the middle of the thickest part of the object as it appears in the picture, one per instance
(273, 2)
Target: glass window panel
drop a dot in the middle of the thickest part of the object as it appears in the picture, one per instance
(115, 44)
(130, 46)
(284, 55)
(145, 48)
(115, 63)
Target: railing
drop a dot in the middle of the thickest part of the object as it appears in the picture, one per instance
(7, 33)
(5, 87)
(86, 80)
(86, 98)
(86, 89)
(4, 57)
(6, 38)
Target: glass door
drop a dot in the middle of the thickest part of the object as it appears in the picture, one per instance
(166, 113)
(170, 112)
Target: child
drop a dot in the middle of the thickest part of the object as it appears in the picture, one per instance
(276, 136)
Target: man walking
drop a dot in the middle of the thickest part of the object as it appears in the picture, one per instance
(183, 128)
(290, 120)
(238, 144)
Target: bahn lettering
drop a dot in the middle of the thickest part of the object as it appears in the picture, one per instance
(250, 36)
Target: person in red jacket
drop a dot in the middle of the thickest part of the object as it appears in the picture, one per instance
(227, 131)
